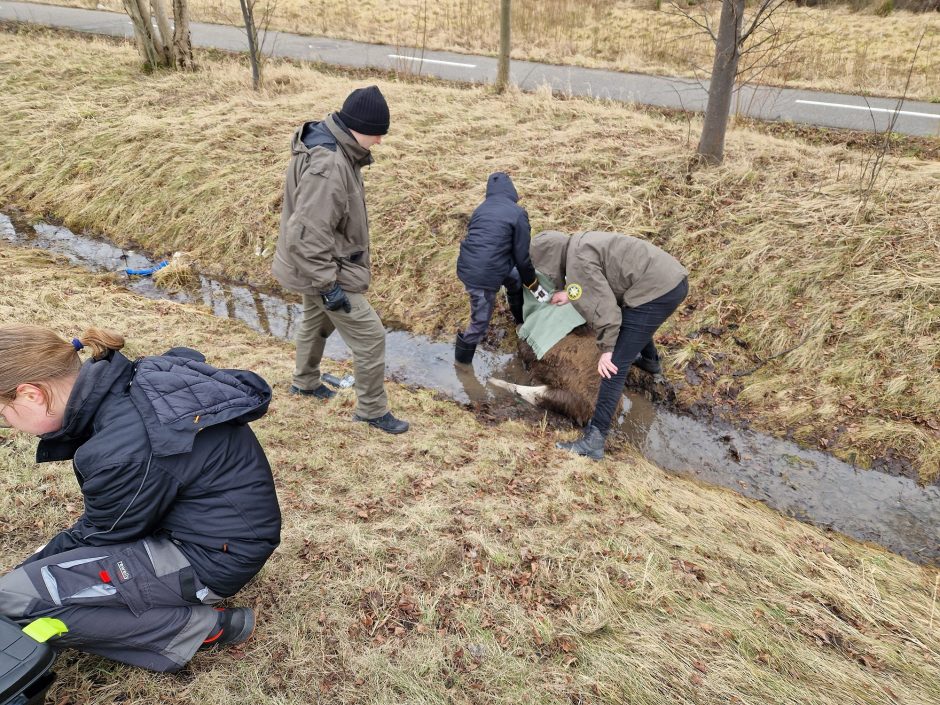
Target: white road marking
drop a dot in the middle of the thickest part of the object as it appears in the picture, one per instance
(431, 61)
(873, 110)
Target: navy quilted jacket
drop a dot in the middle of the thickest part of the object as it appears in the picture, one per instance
(162, 446)
(497, 238)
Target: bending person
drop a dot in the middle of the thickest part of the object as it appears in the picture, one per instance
(625, 288)
(180, 508)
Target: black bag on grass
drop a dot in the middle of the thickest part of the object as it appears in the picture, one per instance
(24, 666)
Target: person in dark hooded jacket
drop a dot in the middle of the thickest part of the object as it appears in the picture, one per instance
(494, 254)
(180, 509)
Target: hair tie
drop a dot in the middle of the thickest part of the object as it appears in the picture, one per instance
(77, 344)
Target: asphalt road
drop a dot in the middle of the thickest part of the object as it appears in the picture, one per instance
(774, 104)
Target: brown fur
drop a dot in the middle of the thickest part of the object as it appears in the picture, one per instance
(570, 371)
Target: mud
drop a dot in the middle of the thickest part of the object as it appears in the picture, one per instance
(877, 507)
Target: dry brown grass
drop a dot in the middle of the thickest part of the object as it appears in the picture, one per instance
(468, 564)
(839, 50)
(778, 242)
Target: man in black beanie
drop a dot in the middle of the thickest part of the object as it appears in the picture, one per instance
(323, 251)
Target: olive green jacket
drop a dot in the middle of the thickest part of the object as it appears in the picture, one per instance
(324, 234)
(611, 270)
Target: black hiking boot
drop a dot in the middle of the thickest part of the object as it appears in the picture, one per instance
(387, 423)
(649, 365)
(321, 392)
(235, 626)
(463, 351)
(590, 445)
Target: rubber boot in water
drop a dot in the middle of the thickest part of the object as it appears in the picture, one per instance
(463, 351)
(514, 299)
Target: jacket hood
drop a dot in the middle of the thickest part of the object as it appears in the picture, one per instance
(499, 184)
(95, 380)
(330, 131)
(297, 145)
(178, 394)
(549, 252)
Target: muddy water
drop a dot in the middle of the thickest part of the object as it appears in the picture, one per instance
(812, 486)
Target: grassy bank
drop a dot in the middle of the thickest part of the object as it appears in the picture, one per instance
(787, 244)
(828, 48)
(470, 564)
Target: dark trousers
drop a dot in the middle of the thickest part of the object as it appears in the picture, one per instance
(482, 303)
(636, 336)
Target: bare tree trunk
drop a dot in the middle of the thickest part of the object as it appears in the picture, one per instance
(711, 146)
(502, 72)
(182, 44)
(248, 15)
(161, 46)
(139, 13)
(162, 41)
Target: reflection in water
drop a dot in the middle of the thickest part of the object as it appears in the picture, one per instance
(813, 486)
(472, 387)
(638, 416)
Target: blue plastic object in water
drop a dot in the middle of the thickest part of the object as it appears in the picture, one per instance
(147, 271)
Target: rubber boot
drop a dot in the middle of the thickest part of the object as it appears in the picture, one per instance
(463, 351)
(590, 445)
(514, 299)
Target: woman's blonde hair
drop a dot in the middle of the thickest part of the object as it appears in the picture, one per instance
(37, 355)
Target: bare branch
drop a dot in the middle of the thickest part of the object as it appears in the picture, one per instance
(704, 24)
(765, 11)
(877, 160)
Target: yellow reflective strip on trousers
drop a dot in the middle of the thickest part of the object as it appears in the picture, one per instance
(44, 628)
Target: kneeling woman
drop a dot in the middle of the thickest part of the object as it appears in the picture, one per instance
(625, 288)
(180, 507)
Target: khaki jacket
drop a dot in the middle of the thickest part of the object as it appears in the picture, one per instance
(612, 270)
(324, 234)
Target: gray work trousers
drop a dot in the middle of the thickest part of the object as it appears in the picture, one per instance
(138, 603)
(482, 303)
(362, 331)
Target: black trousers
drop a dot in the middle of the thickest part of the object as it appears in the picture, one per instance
(636, 336)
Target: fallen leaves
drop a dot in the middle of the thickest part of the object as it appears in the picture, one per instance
(684, 567)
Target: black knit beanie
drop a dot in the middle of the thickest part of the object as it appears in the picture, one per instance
(366, 111)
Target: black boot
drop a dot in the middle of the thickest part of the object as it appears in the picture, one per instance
(591, 444)
(321, 392)
(514, 299)
(234, 626)
(649, 364)
(387, 422)
(463, 351)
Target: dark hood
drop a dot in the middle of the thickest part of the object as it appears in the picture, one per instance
(499, 184)
(96, 379)
(176, 394)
